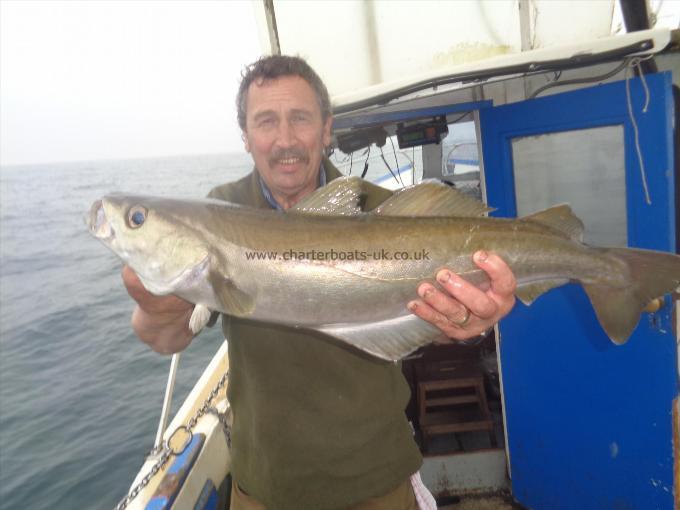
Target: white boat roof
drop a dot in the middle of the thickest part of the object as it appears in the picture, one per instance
(366, 50)
(614, 47)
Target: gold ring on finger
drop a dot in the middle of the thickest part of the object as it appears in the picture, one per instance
(461, 323)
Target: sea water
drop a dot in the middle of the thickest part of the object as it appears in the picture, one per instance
(80, 395)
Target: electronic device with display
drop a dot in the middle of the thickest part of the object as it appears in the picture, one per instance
(422, 133)
(362, 138)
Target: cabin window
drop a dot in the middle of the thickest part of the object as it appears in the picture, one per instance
(584, 168)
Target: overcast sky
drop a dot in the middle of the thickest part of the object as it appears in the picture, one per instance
(106, 80)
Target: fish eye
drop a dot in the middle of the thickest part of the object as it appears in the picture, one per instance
(136, 216)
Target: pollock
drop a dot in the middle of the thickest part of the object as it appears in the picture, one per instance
(326, 265)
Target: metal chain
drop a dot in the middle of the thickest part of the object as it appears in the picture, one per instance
(206, 403)
(144, 481)
(224, 420)
(168, 452)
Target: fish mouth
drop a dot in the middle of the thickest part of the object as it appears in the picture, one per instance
(98, 223)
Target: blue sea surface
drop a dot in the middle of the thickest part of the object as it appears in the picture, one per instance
(80, 395)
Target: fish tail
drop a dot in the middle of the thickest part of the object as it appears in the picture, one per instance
(650, 274)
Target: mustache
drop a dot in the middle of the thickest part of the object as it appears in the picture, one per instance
(293, 152)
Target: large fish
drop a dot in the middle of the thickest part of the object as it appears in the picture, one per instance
(327, 266)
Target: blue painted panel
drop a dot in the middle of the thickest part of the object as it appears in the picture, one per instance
(465, 161)
(208, 498)
(381, 119)
(589, 423)
(176, 474)
(604, 105)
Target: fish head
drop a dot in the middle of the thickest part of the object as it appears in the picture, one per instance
(153, 237)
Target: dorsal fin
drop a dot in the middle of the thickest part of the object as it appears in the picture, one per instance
(340, 197)
(560, 218)
(431, 198)
(234, 301)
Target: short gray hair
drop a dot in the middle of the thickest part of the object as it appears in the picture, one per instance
(272, 67)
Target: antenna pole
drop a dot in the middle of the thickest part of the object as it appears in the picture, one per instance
(167, 402)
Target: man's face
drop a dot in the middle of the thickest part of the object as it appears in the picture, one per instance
(286, 134)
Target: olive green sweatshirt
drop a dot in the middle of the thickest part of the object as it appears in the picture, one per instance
(317, 424)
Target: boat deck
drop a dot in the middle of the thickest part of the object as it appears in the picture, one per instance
(496, 501)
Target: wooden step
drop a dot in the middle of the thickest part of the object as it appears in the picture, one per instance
(447, 401)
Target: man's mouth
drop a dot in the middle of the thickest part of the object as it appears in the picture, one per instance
(288, 158)
(289, 161)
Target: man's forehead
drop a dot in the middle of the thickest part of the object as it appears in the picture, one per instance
(291, 90)
(264, 112)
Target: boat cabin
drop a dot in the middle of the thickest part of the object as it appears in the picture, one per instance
(546, 406)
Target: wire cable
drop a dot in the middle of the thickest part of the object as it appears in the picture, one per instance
(458, 119)
(413, 165)
(363, 174)
(382, 155)
(396, 161)
(636, 132)
(577, 81)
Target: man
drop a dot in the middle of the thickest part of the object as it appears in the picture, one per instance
(316, 425)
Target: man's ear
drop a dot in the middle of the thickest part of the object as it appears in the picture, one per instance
(244, 137)
(327, 126)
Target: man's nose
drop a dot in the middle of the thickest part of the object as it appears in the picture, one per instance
(286, 134)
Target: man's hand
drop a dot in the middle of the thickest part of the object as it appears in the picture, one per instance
(466, 311)
(162, 322)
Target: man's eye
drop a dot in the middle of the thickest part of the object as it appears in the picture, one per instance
(266, 122)
(300, 118)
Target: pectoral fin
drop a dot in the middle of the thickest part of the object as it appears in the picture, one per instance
(234, 301)
(199, 318)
